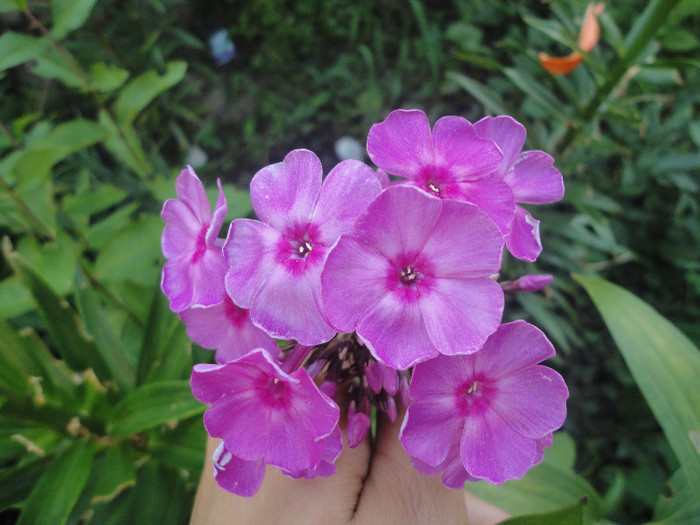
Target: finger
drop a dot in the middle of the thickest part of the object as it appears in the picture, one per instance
(395, 492)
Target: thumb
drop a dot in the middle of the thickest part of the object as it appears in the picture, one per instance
(395, 492)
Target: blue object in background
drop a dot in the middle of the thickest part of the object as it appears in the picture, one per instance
(222, 48)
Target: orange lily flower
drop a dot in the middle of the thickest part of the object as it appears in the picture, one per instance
(587, 39)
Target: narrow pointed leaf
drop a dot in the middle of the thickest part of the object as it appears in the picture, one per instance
(664, 363)
(58, 489)
(154, 404)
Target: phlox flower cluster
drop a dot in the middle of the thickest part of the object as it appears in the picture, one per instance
(381, 282)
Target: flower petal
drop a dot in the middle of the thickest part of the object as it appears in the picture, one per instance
(534, 179)
(492, 450)
(353, 279)
(513, 348)
(286, 307)
(402, 143)
(430, 427)
(190, 190)
(441, 376)
(398, 223)
(187, 283)
(394, 332)
(523, 240)
(533, 401)
(226, 328)
(464, 243)
(461, 152)
(252, 250)
(508, 134)
(284, 194)
(181, 230)
(217, 219)
(345, 193)
(460, 314)
(236, 475)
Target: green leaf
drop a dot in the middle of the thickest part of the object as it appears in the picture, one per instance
(682, 506)
(133, 253)
(16, 483)
(67, 331)
(664, 363)
(107, 77)
(8, 6)
(59, 488)
(487, 97)
(138, 93)
(545, 488)
(69, 15)
(27, 367)
(53, 64)
(153, 404)
(158, 483)
(181, 448)
(570, 515)
(541, 96)
(125, 144)
(16, 48)
(107, 342)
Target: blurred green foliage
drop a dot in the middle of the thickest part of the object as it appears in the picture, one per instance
(103, 103)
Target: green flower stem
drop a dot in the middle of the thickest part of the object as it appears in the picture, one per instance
(637, 39)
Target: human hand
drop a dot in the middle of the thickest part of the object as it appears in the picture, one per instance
(371, 485)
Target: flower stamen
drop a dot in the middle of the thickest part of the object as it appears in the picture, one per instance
(407, 275)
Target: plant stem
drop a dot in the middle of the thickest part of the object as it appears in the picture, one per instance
(636, 41)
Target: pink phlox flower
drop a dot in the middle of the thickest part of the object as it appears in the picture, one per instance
(194, 273)
(263, 413)
(499, 404)
(226, 328)
(531, 176)
(451, 162)
(411, 278)
(379, 376)
(275, 263)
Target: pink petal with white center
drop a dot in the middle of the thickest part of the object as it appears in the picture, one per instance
(460, 152)
(286, 304)
(442, 376)
(523, 240)
(493, 196)
(262, 412)
(534, 179)
(398, 223)
(187, 282)
(284, 194)
(352, 280)
(514, 347)
(508, 134)
(533, 401)
(345, 193)
(460, 314)
(402, 143)
(226, 328)
(430, 427)
(492, 450)
(236, 475)
(464, 243)
(394, 332)
(252, 250)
